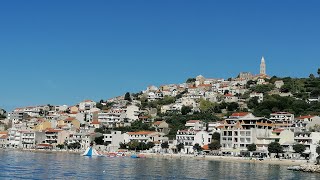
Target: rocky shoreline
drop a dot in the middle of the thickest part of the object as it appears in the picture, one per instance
(306, 168)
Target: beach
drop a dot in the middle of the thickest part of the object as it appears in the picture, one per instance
(285, 162)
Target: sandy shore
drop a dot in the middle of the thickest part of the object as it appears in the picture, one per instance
(228, 159)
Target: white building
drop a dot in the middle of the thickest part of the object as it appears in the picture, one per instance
(145, 137)
(113, 139)
(310, 140)
(112, 118)
(196, 125)
(29, 139)
(132, 113)
(240, 130)
(259, 95)
(191, 137)
(87, 105)
(282, 119)
(279, 84)
(304, 123)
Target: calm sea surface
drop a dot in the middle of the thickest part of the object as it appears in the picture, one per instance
(29, 165)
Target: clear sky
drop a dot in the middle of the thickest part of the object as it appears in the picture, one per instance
(62, 52)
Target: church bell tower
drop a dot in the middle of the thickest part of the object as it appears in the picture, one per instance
(263, 66)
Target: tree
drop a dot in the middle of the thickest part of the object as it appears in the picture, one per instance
(215, 145)
(263, 88)
(180, 147)
(123, 146)
(207, 106)
(299, 148)
(197, 147)
(275, 147)
(99, 140)
(150, 145)
(60, 146)
(311, 76)
(165, 145)
(252, 147)
(318, 152)
(232, 106)
(185, 110)
(216, 136)
(75, 145)
(253, 102)
(191, 80)
(127, 97)
(133, 145)
(318, 72)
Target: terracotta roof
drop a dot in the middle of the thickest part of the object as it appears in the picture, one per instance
(228, 95)
(193, 121)
(305, 117)
(157, 123)
(70, 119)
(141, 133)
(278, 130)
(95, 122)
(205, 147)
(53, 130)
(3, 136)
(240, 114)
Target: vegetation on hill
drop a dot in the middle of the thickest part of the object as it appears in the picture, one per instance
(135, 126)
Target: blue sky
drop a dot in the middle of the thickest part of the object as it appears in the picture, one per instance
(62, 52)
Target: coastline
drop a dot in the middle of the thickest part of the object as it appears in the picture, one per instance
(283, 162)
(44, 151)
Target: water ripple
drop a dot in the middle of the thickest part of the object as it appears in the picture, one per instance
(29, 165)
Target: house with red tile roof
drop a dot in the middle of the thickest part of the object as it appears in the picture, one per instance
(145, 136)
(304, 123)
(196, 125)
(162, 127)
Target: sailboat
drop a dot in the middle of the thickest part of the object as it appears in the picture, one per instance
(91, 152)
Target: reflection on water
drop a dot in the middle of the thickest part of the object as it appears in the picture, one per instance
(29, 165)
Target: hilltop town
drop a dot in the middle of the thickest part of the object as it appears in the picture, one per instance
(246, 115)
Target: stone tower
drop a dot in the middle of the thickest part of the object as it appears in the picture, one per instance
(263, 66)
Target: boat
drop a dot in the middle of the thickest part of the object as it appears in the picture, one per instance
(138, 156)
(134, 156)
(91, 152)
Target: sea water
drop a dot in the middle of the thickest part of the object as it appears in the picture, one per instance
(32, 165)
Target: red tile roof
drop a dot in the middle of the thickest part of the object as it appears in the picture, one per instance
(95, 122)
(205, 147)
(141, 133)
(3, 136)
(228, 95)
(278, 130)
(157, 123)
(240, 114)
(305, 117)
(193, 121)
(53, 130)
